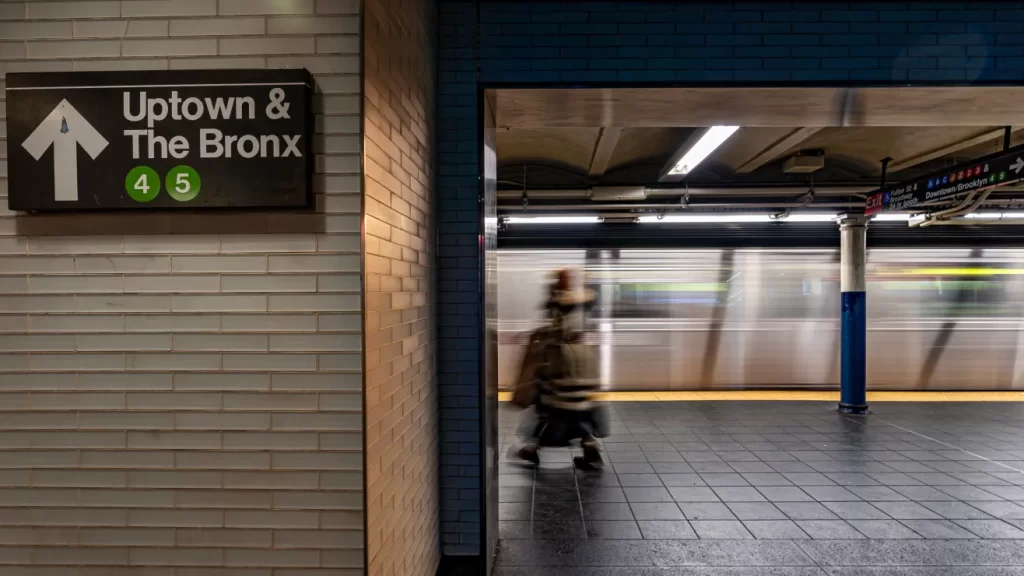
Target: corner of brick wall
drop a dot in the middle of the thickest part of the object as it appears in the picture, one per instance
(401, 385)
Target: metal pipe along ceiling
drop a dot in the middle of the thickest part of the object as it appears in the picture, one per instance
(582, 193)
(675, 207)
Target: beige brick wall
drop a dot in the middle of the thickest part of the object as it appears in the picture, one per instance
(180, 395)
(401, 389)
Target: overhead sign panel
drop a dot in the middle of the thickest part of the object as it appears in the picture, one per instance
(998, 169)
(159, 140)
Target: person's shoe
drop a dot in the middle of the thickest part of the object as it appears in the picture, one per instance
(591, 456)
(530, 455)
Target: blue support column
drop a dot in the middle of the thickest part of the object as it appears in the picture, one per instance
(853, 377)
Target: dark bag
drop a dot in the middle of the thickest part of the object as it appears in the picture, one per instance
(525, 392)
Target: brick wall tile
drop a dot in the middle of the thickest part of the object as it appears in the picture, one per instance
(218, 27)
(78, 9)
(266, 6)
(151, 8)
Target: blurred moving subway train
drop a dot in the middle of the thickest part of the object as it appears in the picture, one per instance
(938, 319)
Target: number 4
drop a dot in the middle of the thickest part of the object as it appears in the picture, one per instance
(142, 184)
(182, 183)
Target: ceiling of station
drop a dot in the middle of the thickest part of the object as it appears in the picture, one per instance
(568, 157)
(551, 159)
(559, 146)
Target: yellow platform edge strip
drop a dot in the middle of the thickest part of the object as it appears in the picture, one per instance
(697, 396)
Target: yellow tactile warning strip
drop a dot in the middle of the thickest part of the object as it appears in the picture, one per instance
(696, 396)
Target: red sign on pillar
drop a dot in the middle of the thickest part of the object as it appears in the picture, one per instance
(873, 205)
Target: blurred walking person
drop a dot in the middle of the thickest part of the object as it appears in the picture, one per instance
(561, 375)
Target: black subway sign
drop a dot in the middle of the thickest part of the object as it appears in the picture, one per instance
(160, 140)
(998, 169)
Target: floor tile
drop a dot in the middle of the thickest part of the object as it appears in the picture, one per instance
(760, 479)
(639, 480)
(775, 530)
(720, 529)
(830, 494)
(555, 494)
(966, 493)
(919, 493)
(678, 480)
(656, 511)
(647, 494)
(710, 467)
(558, 529)
(560, 511)
(1000, 509)
(724, 479)
(613, 530)
(706, 511)
(876, 493)
(514, 528)
(663, 457)
(514, 511)
(855, 511)
(632, 468)
(672, 468)
(606, 511)
(829, 530)
(938, 529)
(739, 494)
(906, 510)
(805, 511)
(1008, 492)
(756, 511)
(601, 494)
(956, 510)
(994, 529)
(784, 494)
(666, 530)
(517, 494)
(626, 457)
(693, 494)
(883, 529)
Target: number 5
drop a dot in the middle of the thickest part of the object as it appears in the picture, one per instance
(182, 184)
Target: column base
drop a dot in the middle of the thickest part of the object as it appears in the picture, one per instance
(856, 409)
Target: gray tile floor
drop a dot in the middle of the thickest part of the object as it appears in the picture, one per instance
(773, 488)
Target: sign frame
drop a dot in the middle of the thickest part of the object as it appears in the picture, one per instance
(272, 178)
(990, 171)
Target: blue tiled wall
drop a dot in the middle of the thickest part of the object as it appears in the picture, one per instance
(604, 43)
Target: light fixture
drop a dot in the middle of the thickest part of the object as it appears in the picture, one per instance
(994, 215)
(892, 218)
(711, 139)
(553, 219)
(737, 218)
(810, 218)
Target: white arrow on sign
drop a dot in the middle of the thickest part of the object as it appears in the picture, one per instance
(64, 128)
(1016, 166)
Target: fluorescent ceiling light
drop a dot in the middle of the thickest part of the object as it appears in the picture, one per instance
(737, 218)
(553, 219)
(892, 217)
(810, 218)
(711, 139)
(709, 218)
(994, 215)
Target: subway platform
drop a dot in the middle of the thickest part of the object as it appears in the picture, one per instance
(738, 488)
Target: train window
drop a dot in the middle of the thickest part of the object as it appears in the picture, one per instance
(948, 288)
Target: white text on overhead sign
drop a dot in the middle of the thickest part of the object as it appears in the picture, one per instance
(213, 143)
